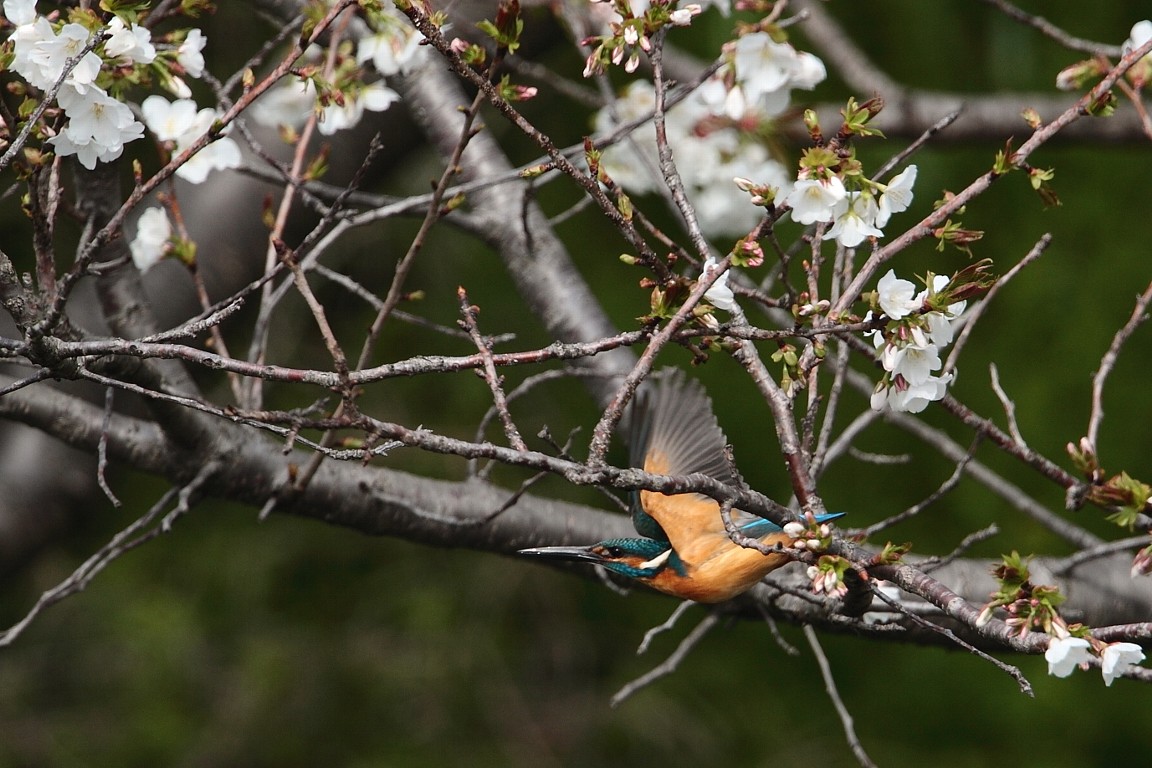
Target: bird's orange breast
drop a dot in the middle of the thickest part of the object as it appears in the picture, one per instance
(716, 569)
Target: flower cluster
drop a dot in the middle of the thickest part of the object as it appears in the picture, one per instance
(805, 537)
(710, 152)
(819, 195)
(827, 575)
(393, 48)
(919, 326)
(760, 74)
(86, 61)
(180, 123)
(1065, 653)
(715, 133)
(629, 29)
(98, 125)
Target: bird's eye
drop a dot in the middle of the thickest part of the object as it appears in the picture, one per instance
(613, 551)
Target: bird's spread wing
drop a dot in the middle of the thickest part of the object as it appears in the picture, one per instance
(674, 432)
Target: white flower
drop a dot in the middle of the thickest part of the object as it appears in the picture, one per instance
(376, 97)
(910, 398)
(180, 122)
(96, 116)
(897, 196)
(814, 200)
(762, 65)
(896, 296)
(133, 44)
(50, 52)
(221, 154)
(176, 86)
(915, 364)
(683, 16)
(1140, 34)
(1064, 655)
(1118, 657)
(855, 217)
(24, 39)
(808, 71)
(940, 330)
(391, 52)
(766, 70)
(189, 53)
(153, 229)
(719, 295)
(168, 120)
(20, 12)
(288, 103)
(98, 127)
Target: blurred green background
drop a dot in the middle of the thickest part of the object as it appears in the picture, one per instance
(289, 643)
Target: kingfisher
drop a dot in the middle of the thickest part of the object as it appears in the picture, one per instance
(683, 549)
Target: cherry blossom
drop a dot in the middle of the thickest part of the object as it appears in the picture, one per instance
(896, 296)
(897, 196)
(189, 55)
(180, 122)
(1065, 654)
(855, 220)
(20, 12)
(720, 294)
(1118, 658)
(98, 127)
(153, 230)
(376, 97)
(132, 45)
(814, 200)
(42, 54)
(393, 50)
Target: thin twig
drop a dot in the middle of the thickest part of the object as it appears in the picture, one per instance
(1108, 362)
(834, 694)
(520, 390)
(1050, 30)
(493, 379)
(1014, 672)
(102, 448)
(669, 665)
(667, 624)
(972, 315)
(952, 481)
(1009, 406)
(339, 360)
(1062, 567)
(124, 541)
(774, 630)
(894, 162)
(969, 541)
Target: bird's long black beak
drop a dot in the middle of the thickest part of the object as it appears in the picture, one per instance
(578, 554)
